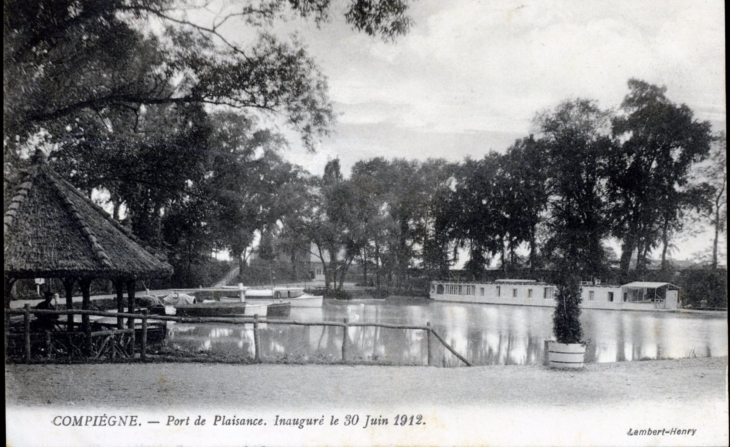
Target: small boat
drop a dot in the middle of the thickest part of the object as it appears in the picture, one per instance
(294, 295)
(233, 309)
(227, 302)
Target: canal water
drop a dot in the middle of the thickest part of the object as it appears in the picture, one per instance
(485, 334)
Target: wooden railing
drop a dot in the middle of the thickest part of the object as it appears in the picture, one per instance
(126, 347)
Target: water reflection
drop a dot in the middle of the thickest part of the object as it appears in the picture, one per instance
(485, 334)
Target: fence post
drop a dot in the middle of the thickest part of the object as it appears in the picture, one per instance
(344, 342)
(26, 330)
(143, 354)
(256, 348)
(48, 344)
(133, 336)
(428, 342)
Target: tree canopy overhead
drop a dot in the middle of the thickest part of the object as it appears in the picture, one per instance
(70, 61)
(155, 104)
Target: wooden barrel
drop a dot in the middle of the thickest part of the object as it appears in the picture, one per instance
(566, 356)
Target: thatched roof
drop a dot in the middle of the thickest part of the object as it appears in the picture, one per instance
(52, 230)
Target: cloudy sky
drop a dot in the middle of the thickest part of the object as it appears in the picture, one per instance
(470, 75)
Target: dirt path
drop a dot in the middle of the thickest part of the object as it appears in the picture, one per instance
(272, 386)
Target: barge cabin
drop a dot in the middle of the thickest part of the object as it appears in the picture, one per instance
(639, 295)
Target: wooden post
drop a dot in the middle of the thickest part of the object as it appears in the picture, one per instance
(132, 337)
(68, 286)
(8, 289)
(428, 343)
(85, 284)
(119, 289)
(143, 354)
(48, 344)
(130, 301)
(26, 331)
(256, 342)
(344, 342)
(9, 282)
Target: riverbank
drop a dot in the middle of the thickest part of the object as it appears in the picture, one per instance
(605, 404)
(271, 385)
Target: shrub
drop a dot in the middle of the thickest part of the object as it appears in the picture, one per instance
(566, 317)
(338, 294)
(703, 285)
(378, 293)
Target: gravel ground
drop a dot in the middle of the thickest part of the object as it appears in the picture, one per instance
(157, 385)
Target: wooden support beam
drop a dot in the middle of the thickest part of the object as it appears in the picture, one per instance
(344, 341)
(9, 282)
(143, 352)
(26, 331)
(85, 284)
(119, 289)
(428, 343)
(68, 286)
(131, 288)
(256, 341)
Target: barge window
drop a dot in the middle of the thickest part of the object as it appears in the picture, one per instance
(514, 293)
(548, 293)
(499, 291)
(481, 289)
(610, 297)
(440, 289)
(626, 297)
(529, 293)
(591, 295)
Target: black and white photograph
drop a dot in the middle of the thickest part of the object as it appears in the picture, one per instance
(365, 223)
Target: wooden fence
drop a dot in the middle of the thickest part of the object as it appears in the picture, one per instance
(121, 342)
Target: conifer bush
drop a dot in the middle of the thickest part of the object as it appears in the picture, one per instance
(566, 317)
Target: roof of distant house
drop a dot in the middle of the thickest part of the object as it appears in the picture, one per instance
(649, 285)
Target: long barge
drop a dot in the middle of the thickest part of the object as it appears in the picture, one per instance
(639, 295)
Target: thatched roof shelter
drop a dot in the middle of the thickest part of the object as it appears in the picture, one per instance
(53, 231)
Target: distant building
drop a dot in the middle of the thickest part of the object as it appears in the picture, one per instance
(308, 261)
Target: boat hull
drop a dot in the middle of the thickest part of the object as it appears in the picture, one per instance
(223, 309)
(302, 301)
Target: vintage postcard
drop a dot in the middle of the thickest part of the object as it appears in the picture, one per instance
(365, 223)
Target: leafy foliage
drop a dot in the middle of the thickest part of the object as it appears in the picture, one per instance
(148, 102)
(649, 169)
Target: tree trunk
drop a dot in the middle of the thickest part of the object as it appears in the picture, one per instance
(665, 245)
(241, 267)
(627, 248)
(715, 242)
(532, 243)
(377, 265)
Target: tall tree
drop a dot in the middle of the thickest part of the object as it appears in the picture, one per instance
(524, 196)
(475, 215)
(577, 141)
(576, 138)
(660, 141)
(716, 174)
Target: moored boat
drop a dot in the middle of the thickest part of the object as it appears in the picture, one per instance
(217, 302)
(294, 295)
(639, 295)
(233, 309)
